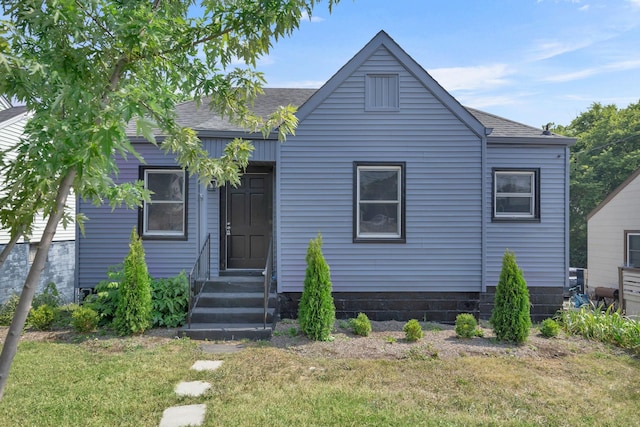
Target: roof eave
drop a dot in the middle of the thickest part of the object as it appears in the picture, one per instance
(560, 141)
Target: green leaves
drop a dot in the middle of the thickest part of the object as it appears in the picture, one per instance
(606, 153)
(87, 69)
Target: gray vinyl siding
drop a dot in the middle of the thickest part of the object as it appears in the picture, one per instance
(106, 239)
(540, 247)
(443, 190)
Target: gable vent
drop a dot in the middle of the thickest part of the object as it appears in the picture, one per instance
(382, 92)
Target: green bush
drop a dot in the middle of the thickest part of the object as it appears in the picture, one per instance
(41, 318)
(511, 318)
(84, 319)
(466, 325)
(316, 312)
(169, 301)
(549, 328)
(361, 325)
(133, 314)
(8, 309)
(104, 300)
(49, 296)
(413, 330)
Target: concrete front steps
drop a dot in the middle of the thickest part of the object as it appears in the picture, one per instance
(232, 308)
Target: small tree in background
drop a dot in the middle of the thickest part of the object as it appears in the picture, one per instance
(133, 314)
(511, 318)
(316, 312)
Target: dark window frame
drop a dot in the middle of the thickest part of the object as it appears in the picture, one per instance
(627, 234)
(141, 211)
(536, 217)
(403, 205)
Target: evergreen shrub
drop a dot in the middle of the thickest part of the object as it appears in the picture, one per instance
(413, 330)
(549, 328)
(361, 325)
(133, 313)
(316, 311)
(511, 318)
(84, 319)
(466, 325)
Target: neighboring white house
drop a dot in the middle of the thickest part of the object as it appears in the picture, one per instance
(614, 238)
(60, 267)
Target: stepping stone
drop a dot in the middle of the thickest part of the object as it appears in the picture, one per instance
(192, 388)
(182, 416)
(206, 365)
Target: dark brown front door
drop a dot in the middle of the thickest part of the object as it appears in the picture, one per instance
(248, 221)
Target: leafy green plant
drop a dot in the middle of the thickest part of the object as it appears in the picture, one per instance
(169, 301)
(49, 296)
(41, 318)
(8, 309)
(133, 314)
(466, 325)
(390, 339)
(549, 328)
(413, 330)
(608, 326)
(104, 300)
(511, 318)
(84, 319)
(316, 311)
(361, 325)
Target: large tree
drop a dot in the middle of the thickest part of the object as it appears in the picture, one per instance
(86, 68)
(606, 153)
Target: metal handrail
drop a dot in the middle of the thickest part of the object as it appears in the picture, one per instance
(268, 271)
(200, 272)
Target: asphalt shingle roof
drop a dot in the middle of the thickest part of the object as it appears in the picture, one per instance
(10, 113)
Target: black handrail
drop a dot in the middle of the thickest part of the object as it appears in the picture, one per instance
(268, 271)
(200, 272)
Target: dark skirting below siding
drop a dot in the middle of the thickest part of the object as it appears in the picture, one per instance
(425, 306)
(545, 302)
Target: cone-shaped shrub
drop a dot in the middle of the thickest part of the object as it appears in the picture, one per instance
(511, 318)
(133, 314)
(316, 312)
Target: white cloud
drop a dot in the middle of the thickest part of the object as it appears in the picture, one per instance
(584, 8)
(634, 3)
(305, 17)
(549, 49)
(588, 72)
(489, 101)
(471, 78)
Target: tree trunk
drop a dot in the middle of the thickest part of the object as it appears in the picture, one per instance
(8, 248)
(26, 297)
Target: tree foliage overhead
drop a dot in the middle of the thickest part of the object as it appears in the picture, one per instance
(87, 68)
(606, 153)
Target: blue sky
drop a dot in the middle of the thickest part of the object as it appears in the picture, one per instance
(533, 61)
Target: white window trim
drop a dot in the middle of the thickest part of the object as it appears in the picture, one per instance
(628, 247)
(398, 202)
(145, 219)
(532, 195)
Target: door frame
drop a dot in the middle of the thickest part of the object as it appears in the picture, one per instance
(252, 168)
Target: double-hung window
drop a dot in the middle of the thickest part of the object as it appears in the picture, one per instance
(632, 246)
(516, 194)
(379, 199)
(165, 215)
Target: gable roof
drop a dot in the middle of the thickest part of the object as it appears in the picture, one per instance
(382, 39)
(614, 193)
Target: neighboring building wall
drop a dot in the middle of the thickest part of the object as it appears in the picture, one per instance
(606, 235)
(443, 250)
(59, 269)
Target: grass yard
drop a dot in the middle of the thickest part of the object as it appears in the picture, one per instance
(129, 382)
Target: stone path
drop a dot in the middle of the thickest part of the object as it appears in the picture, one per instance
(193, 415)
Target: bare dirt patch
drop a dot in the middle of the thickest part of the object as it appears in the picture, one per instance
(387, 341)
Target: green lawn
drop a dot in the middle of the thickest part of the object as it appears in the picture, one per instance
(128, 382)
